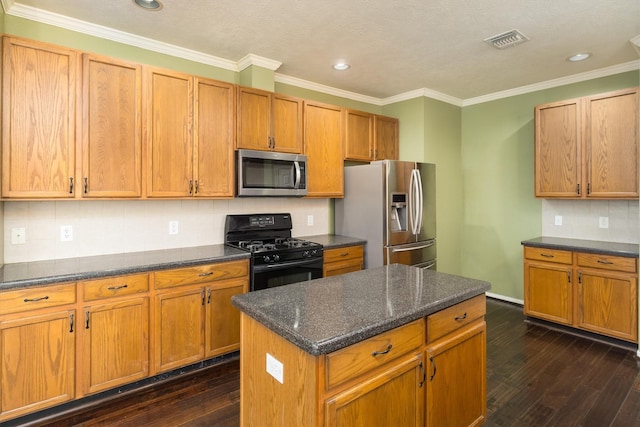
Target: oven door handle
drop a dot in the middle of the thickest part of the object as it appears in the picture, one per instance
(280, 265)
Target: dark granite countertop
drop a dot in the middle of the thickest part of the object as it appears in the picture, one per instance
(331, 241)
(24, 274)
(590, 246)
(324, 315)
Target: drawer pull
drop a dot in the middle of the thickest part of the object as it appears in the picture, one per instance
(459, 318)
(604, 261)
(344, 254)
(36, 299)
(546, 255)
(378, 353)
(115, 288)
(433, 362)
(205, 274)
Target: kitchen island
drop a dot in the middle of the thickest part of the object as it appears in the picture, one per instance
(393, 345)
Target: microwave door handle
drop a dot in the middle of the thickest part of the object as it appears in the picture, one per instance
(296, 183)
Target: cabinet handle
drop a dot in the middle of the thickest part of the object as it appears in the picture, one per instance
(378, 353)
(202, 294)
(70, 185)
(569, 276)
(580, 277)
(197, 186)
(547, 255)
(208, 273)
(115, 288)
(208, 295)
(46, 297)
(424, 375)
(588, 188)
(578, 189)
(433, 362)
(190, 186)
(344, 254)
(459, 318)
(86, 322)
(86, 185)
(71, 323)
(604, 261)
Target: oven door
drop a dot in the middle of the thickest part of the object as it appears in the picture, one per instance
(285, 273)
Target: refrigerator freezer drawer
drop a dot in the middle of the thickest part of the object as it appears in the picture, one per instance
(419, 254)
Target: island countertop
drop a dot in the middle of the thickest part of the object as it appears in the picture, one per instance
(324, 315)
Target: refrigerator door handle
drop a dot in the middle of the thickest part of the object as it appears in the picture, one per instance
(412, 201)
(413, 248)
(420, 203)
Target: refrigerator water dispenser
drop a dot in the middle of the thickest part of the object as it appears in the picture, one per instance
(398, 212)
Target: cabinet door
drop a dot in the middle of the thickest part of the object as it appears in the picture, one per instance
(557, 150)
(359, 136)
(111, 134)
(386, 138)
(254, 119)
(323, 147)
(548, 292)
(116, 344)
(214, 127)
(168, 101)
(608, 303)
(179, 328)
(223, 319)
(37, 358)
(286, 124)
(611, 137)
(394, 397)
(39, 91)
(343, 260)
(456, 379)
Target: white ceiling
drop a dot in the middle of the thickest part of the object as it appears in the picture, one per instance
(394, 46)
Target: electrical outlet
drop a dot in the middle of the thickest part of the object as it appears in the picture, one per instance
(558, 220)
(18, 236)
(603, 222)
(66, 233)
(173, 227)
(309, 220)
(275, 368)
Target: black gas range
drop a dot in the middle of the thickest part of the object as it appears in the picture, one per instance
(277, 259)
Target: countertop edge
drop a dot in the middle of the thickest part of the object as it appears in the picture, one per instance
(627, 250)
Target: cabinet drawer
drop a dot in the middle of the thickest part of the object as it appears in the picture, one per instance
(35, 298)
(341, 254)
(201, 274)
(115, 286)
(363, 357)
(607, 262)
(550, 255)
(448, 320)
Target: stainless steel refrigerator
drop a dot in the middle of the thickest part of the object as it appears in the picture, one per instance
(391, 204)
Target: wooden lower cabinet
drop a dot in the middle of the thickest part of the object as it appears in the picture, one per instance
(343, 260)
(222, 318)
(593, 292)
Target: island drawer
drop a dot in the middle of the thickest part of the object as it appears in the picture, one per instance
(363, 357)
(35, 298)
(115, 286)
(448, 320)
(200, 274)
(549, 255)
(607, 262)
(340, 254)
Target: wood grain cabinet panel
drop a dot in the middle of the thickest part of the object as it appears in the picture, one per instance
(343, 260)
(39, 98)
(548, 291)
(386, 138)
(370, 136)
(111, 145)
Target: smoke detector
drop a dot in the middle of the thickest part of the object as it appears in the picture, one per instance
(505, 40)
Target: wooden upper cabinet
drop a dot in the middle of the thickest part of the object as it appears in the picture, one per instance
(214, 136)
(386, 137)
(359, 135)
(323, 147)
(111, 120)
(268, 121)
(611, 143)
(39, 98)
(169, 113)
(588, 147)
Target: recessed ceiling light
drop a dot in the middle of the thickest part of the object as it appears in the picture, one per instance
(579, 57)
(149, 4)
(341, 66)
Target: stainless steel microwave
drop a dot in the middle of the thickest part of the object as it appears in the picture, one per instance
(267, 173)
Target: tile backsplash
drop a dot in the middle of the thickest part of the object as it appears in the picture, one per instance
(582, 219)
(107, 227)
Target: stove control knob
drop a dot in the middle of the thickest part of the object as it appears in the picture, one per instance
(306, 254)
(266, 258)
(276, 258)
(314, 252)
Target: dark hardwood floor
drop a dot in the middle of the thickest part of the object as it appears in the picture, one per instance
(536, 376)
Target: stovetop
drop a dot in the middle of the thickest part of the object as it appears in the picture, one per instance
(274, 245)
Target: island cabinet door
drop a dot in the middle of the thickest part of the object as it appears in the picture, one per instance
(394, 397)
(456, 378)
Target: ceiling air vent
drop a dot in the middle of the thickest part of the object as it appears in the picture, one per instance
(508, 39)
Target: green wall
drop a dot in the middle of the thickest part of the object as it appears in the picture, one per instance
(500, 209)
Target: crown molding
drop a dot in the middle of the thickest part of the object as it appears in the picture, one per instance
(38, 15)
(251, 59)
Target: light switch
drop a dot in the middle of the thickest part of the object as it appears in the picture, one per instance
(603, 222)
(18, 236)
(558, 220)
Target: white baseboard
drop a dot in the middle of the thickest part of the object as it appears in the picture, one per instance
(505, 298)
